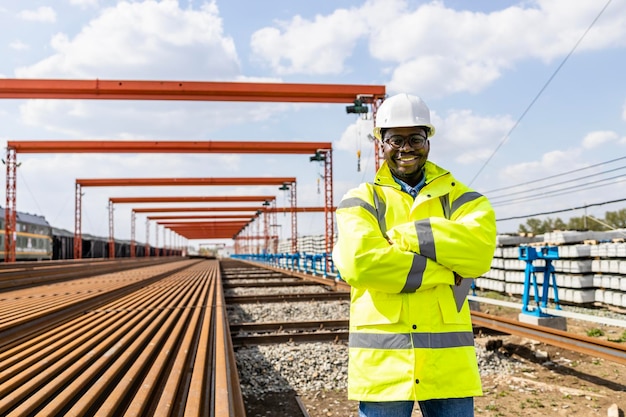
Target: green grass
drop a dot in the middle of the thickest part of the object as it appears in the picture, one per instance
(621, 339)
(595, 332)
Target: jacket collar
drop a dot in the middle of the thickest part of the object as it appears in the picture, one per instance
(384, 176)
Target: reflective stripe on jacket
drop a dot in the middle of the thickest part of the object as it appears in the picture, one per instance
(407, 339)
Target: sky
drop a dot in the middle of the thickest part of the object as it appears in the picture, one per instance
(528, 98)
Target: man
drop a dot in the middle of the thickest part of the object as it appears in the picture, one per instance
(404, 242)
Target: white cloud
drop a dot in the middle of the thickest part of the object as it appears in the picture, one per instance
(550, 163)
(18, 45)
(310, 47)
(435, 76)
(355, 136)
(152, 120)
(143, 40)
(149, 40)
(434, 49)
(84, 3)
(596, 139)
(470, 137)
(41, 14)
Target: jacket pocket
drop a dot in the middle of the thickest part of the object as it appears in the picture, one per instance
(447, 306)
(375, 308)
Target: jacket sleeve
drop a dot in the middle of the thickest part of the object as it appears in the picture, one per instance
(366, 258)
(464, 243)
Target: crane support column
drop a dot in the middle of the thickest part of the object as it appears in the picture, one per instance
(78, 234)
(147, 236)
(111, 232)
(10, 212)
(294, 219)
(132, 234)
(329, 233)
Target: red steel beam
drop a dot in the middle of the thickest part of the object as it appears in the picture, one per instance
(215, 235)
(296, 209)
(192, 209)
(117, 146)
(201, 209)
(180, 199)
(194, 232)
(202, 217)
(206, 225)
(205, 230)
(186, 90)
(121, 182)
(203, 225)
(193, 199)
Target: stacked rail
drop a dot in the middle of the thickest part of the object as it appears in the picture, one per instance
(148, 342)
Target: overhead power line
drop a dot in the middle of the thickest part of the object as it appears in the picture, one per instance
(556, 71)
(592, 187)
(561, 211)
(508, 188)
(545, 194)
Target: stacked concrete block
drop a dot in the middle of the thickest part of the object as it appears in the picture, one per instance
(591, 267)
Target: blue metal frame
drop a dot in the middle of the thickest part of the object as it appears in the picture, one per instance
(548, 254)
(309, 263)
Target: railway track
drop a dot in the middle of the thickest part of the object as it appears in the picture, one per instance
(29, 274)
(156, 340)
(268, 332)
(145, 345)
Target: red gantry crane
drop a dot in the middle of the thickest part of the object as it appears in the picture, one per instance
(253, 213)
(179, 199)
(250, 147)
(145, 182)
(180, 90)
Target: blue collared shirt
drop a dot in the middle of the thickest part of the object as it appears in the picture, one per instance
(413, 191)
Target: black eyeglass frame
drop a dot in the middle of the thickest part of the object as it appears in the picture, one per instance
(415, 141)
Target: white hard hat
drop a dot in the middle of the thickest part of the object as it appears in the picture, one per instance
(403, 110)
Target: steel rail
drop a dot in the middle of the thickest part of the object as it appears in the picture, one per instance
(264, 284)
(278, 298)
(290, 325)
(199, 400)
(80, 373)
(16, 277)
(245, 334)
(614, 352)
(264, 339)
(34, 374)
(608, 350)
(330, 282)
(149, 352)
(228, 396)
(58, 312)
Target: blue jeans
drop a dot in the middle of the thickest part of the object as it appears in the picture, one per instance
(447, 407)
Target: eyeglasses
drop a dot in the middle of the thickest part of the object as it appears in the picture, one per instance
(398, 141)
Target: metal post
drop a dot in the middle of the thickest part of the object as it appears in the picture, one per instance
(132, 234)
(78, 234)
(10, 212)
(111, 232)
(329, 231)
(294, 219)
(147, 247)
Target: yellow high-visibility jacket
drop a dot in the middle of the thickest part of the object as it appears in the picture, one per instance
(408, 341)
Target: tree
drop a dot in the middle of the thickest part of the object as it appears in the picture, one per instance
(534, 226)
(614, 219)
(617, 219)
